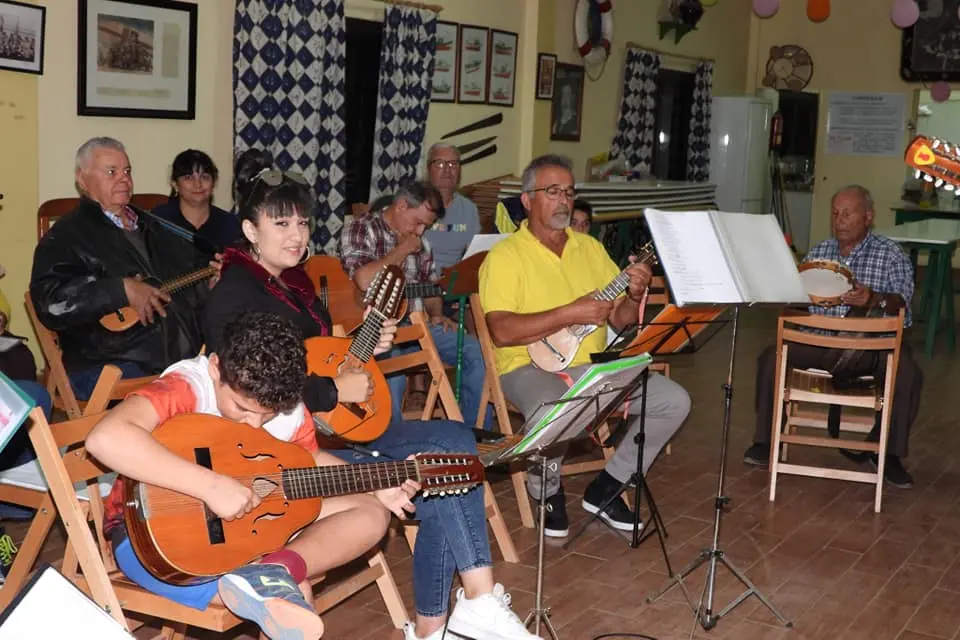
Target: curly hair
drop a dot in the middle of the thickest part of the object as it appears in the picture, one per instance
(263, 357)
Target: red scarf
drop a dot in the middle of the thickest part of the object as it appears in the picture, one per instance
(297, 283)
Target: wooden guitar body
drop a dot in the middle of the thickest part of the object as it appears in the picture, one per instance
(555, 352)
(363, 422)
(123, 319)
(196, 543)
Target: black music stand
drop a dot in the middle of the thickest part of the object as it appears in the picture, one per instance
(638, 482)
(591, 399)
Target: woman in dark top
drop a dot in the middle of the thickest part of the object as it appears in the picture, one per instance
(266, 275)
(193, 179)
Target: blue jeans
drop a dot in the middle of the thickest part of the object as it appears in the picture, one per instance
(472, 378)
(453, 529)
(84, 380)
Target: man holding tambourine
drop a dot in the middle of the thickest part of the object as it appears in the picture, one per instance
(856, 272)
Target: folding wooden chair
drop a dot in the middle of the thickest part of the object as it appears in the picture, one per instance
(57, 380)
(493, 392)
(92, 568)
(439, 388)
(880, 335)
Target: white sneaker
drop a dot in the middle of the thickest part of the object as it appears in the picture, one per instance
(409, 633)
(488, 617)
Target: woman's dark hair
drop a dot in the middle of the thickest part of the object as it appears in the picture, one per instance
(189, 162)
(263, 357)
(275, 195)
(248, 164)
(586, 207)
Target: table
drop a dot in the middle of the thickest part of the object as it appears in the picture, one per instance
(909, 212)
(938, 236)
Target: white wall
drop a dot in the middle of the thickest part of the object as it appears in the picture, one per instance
(944, 123)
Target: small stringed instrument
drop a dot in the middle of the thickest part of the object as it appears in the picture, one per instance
(180, 541)
(123, 319)
(326, 356)
(556, 351)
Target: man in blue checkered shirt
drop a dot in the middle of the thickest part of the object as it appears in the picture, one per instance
(884, 279)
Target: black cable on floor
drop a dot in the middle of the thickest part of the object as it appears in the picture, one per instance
(623, 635)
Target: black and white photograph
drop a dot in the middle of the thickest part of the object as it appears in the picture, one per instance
(137, 59)
(21, 37)
(567, 106)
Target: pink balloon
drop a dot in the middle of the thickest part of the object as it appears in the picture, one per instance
(904, 13)
(940, 91)
(765, 8)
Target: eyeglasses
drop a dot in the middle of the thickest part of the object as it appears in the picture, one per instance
(445, 164)
(554, 192)
(274, 177)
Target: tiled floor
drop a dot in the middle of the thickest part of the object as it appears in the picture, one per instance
(833, 566)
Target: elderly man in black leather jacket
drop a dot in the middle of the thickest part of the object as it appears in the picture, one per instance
(106, 255)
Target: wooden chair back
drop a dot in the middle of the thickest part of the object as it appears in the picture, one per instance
(794, 387)
(88, 564)
(51, 210)
(486, 195)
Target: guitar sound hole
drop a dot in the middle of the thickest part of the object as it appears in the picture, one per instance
(254, 532)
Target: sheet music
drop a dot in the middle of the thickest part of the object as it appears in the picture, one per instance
(761, 257)
(76, 616)
(692, 256)
(483, 242)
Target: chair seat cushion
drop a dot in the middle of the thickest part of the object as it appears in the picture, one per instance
(29, 476)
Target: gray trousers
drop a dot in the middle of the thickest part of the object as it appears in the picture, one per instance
(667, 407)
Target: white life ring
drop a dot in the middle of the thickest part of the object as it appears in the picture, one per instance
(595, 50)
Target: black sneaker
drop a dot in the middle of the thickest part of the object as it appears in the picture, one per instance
(617, 515)
(758, 454)
(556, 524)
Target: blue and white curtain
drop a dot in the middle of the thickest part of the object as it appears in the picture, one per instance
(289, 63)
(635, 138)
(406, 80)
(698, 140)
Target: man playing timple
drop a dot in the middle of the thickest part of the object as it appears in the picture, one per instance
(884, 280)
(542, 279)
(449, 237)
(90, 264)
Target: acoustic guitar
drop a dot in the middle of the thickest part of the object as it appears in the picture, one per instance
(556, 351)
(327, 356)
(180, 541)
(123, 319)
(344, 300)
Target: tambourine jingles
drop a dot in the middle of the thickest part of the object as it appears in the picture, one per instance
(825, 281)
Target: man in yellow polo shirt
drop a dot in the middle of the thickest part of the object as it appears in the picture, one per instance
(540, 280)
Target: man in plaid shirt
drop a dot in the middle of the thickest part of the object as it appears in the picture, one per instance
(394, 236)
(884, 279)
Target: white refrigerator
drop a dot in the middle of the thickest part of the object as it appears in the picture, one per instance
(739, 153)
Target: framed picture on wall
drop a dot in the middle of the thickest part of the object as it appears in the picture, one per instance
(474, 64)
(503, 67)
(546, 73)
(445, 63)
(137, 59)
(566, 110)
(21, 37)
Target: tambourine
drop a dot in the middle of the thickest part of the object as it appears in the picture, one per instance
(825, 281)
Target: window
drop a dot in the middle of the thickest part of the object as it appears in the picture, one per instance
(362, 80)
(672, 125)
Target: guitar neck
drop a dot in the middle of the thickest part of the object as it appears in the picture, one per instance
(423, 291)
(368, 337)
(188, 279)
(617, 286)
(339, 480)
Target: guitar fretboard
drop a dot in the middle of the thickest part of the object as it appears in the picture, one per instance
(368, 337)
(423, 291)
(339, 480)
(187, 280)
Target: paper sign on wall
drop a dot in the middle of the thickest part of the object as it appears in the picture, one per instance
(866, 124)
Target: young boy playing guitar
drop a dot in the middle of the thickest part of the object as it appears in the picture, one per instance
(256, 378)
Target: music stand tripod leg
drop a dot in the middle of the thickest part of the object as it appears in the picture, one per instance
(638, 481)
(539, 613)
(714, 555)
